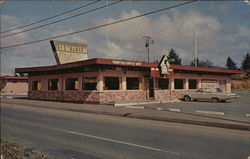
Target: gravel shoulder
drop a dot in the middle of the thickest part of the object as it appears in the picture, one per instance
(15, 151)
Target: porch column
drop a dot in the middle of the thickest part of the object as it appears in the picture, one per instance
(171, 83)
(228, 86)
(186, 84)
(99, 82)
(80, 83)
(199, 83)
(124, 83)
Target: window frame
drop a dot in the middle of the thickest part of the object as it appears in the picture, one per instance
(38, 88)
(93, 80)
(175, 83)
(57, 86)
(161, 88)
(139, 83)
(66, 85)
(119, 83)
(196, 83)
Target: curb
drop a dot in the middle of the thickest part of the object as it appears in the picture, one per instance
(131, 115)
(145, 102)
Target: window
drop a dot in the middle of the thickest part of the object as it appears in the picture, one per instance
(112, 83)
(89, 83)
(134, 83)
(192, 84)
(72, 84)
(163, 83)
(178, 83)
(53, 84)
(36, 85)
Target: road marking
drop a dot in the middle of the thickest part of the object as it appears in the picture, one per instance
(248, 115)
(159, 108)
(116, 141)
(209, 112)
(174, 110)
(134, 107)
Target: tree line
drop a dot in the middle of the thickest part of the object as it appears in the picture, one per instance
(174, 58)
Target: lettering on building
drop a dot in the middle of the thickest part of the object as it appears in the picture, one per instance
(126, 63)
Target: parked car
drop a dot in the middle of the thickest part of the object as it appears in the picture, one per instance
(213, 94)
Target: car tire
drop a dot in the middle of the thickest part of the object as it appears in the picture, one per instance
(187, 98)
(215, 100)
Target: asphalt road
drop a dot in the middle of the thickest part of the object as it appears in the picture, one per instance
(236, 107)
(72, 135)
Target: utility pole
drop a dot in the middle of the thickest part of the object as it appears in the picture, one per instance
(196, 50)
(148, 40)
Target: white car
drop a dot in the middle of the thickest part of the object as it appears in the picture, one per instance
(213, 94)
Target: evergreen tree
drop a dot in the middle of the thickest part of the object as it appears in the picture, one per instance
(246, 62)
(174, 57)
(193, 62)
(206, 63)
(231, 64)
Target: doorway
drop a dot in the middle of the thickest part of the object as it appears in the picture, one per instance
(151, 88)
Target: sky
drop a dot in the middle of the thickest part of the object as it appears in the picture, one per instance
(223, 29)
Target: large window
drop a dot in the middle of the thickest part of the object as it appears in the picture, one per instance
(178, 83)
(36, 85)
(72, 84)
(89, 83)
(53, 84)
(112, 83)
(192, 84)
(163, 83)
(134, 83)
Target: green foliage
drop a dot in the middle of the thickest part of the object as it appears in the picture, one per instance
(246, 62)
(231, 64)
(206, 63)
(173, 55)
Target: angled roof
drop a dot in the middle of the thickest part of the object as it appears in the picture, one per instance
(127, 63)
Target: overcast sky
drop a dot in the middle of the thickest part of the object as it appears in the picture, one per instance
(223, 30)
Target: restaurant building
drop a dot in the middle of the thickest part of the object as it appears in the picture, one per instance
(106, 80)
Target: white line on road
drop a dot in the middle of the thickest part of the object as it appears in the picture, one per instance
(116, 141)
(209, 112)
(174, 110)
(134, 107)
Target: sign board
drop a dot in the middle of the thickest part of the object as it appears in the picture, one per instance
(164, 65)
(67, 52)
(126, 63)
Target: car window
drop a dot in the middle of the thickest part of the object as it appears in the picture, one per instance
(218, 90)
(200, 90)
(208, 90)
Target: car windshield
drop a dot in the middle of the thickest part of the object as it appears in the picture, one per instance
(218, 90)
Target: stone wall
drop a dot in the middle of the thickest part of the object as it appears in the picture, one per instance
(68, 96)
(108, 96)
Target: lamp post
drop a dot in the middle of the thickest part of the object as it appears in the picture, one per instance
(148, 40)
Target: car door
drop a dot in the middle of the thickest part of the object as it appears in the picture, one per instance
(207, 94)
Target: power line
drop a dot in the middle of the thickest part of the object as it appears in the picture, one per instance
(100, 26)
(39, 21)
(62, 19)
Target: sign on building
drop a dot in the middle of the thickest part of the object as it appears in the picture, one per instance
(67, 52)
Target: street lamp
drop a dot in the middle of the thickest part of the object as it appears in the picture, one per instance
(148, 40)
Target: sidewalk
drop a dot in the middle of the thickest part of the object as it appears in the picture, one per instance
(230, 122)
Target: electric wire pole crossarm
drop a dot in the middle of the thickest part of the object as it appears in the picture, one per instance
(148, 40)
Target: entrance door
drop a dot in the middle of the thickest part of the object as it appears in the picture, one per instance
(151, 88)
